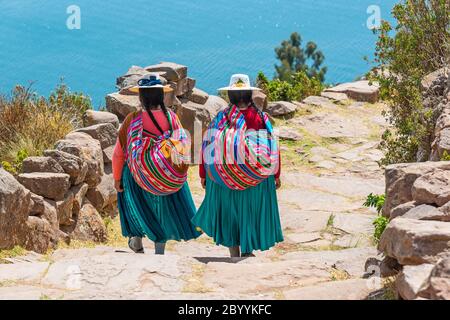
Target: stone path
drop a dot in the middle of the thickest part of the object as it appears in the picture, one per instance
(326, 178)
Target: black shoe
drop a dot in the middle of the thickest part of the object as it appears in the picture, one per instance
(135, 244)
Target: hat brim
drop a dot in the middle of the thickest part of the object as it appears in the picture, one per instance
(166, 89)
(240, 89)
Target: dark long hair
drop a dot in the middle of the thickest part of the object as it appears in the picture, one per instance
(238, 96)
(151, 99)
(244, 96)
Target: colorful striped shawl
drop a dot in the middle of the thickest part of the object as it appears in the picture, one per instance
(158, 164)
(238, 158)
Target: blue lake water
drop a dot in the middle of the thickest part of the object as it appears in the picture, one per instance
(214, 38)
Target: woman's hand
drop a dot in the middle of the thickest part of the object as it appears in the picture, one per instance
(278, 183)
(118, 185)
(203, 181)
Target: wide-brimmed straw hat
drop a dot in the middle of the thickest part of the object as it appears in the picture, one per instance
(151, 81)
(239, 82)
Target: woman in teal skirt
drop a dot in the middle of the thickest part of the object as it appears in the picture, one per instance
(153, 201)
(240, 209)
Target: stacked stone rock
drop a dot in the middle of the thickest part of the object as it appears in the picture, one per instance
(417, 239)
(64, 194)
(436, 87)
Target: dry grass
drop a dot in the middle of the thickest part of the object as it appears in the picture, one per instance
(29, 124)
(339, 275)
(12, 253)
(114, 233)
(194, 282)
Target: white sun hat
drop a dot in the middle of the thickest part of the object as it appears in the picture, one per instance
(239, 82)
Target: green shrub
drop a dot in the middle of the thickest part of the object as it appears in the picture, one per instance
(29, 123)
(375, 201)
(380, 224)
(419, 46)
(445, 156)
(299, 88)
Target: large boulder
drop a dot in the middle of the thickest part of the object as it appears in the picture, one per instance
(121, 105)
(183, 86)
(197, 96)
(413, 242)
(89, 150)
(427, 212)
(260, 100)
(15, 205)
(106, 133)
(41, 164)
(104, 197)
(319, 101)
(432, 188)
(108, 154)
(437, 286)
(74, 166)
(64, 209)
(50, 214)
(92, 117)
(79, 193)
(281, 108)
(443, 120)
(195, 118)
(436, 78)
(38, 205)
(402, 209)
(131, 77)
(68, 208)
(49, 185)
(411, 279)
(286, 133)
(89, 225)
(441, 145)
(215, 104)
(400, 179)
(40, 236)
(169, 70)
(335, 96)
(360, 90)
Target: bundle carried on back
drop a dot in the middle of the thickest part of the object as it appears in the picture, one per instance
(238, 158)
(158, 164)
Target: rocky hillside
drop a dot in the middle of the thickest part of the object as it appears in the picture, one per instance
(330, 153)
(416, 242)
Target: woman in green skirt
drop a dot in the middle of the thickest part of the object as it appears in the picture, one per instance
(240, 170)
(154, 199)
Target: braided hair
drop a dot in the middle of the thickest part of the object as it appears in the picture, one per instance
(151, 99)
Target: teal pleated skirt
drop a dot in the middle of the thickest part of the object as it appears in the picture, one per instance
(249, 219)
(160, 218)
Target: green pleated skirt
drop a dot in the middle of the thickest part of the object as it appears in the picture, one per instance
(160, 218)
(249, 219)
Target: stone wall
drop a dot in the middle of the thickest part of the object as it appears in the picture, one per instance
(416, 242)
(437, 96)
(65, 193)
